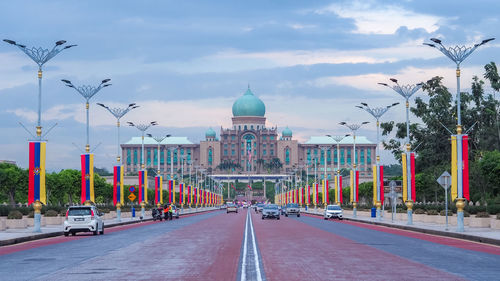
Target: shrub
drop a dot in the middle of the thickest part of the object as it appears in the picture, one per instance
(443, 213)
(105, 210)
(432, 212)
(482, 215)
(498, 216)
(493, 209)
(31, 214)
(62, 212)
(4, 210)
(466, 214)
(15, 215)
(419, 212)
(51, 213)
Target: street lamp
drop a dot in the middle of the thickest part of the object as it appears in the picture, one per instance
(354, 172)
(118, 113)
(36, 172)
(87, 92)
(338, 177)
(40, 56)
(408, 157)
(143, 174)
(158, 177)
(118, 169)
(377, 112)
(459, 142)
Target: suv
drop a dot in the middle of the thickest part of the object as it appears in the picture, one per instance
(83, 219)
(231, 208)
(292, 209)
(259, 207)
(333, 211)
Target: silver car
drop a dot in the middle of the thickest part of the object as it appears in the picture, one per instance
(83, 219)
(333, 211)
(292, 209)
(270, 211)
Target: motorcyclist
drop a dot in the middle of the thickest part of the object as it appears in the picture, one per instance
(166, 211)
(170, 211)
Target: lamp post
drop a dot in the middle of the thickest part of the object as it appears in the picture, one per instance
(338, 177)
(158, 178)
(377, 112)
(87, 158)
(143, 173)
(36, 172)
(460, 178)
(407, 158)
(325, 148)
(118, 113)
(354, 171)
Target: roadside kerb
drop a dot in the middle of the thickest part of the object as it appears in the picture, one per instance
(457, 235)
(38, 236)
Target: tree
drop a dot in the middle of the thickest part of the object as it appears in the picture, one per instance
(102, 172)
(11, 178)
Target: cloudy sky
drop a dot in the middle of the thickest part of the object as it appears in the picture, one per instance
(185, 62)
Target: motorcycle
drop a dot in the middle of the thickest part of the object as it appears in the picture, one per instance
(156, 213)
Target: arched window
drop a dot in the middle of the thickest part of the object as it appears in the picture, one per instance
(245, 127)
(210, 158)
(287, 156)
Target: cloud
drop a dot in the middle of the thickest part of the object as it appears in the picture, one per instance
(410, 74)
(371, 18)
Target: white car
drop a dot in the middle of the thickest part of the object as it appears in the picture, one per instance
(333, 211)
(83, 219)
(231, 208)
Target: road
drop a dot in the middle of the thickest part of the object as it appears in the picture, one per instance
(242, 246)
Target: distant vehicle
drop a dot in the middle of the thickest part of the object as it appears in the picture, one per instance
(270, 211)
(259, 207)
(83, 219)
(231, 208)
(292, 209)
(223, 206)
(333, 211)
(175, 211)
(282, 210)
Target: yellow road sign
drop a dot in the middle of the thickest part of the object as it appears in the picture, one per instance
(131, 197)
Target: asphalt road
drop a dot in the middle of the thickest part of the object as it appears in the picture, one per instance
(242, 246)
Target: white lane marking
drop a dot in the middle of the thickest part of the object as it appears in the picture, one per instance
(244, 260)
(255, 253)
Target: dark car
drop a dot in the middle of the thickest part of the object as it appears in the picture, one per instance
(270, 211)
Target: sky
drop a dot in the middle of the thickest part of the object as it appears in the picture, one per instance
(185, 63)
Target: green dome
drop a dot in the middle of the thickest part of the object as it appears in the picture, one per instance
(210, 133)
(249, 105)
(286, 132)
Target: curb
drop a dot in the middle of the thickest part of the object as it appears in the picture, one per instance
(463, 236)
(39, 236)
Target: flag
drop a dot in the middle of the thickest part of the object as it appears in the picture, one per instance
(354, 185)
(195, 196)
(316, 191)
(171, 191)
(308, 198)
(36, 182)
(327, 189)
(408, 163)
(189, 199)
(118, 185)
(87, 161)
(249, 187)
(158, 190)
(338, 189)
(455, 192)
(143, 186)
(181, 193)
(233, 187)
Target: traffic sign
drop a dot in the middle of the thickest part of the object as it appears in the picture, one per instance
(131, 197)
(444, 180)
(131, 188)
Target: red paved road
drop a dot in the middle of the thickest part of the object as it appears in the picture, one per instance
(292, 250)
(207, 250)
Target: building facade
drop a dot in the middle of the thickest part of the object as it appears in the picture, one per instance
(249, 147)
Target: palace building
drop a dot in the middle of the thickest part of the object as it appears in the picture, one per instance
(249, 147)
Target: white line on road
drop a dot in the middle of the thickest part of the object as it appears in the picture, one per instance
(256, 254)
(245, 251)
(244, 260)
